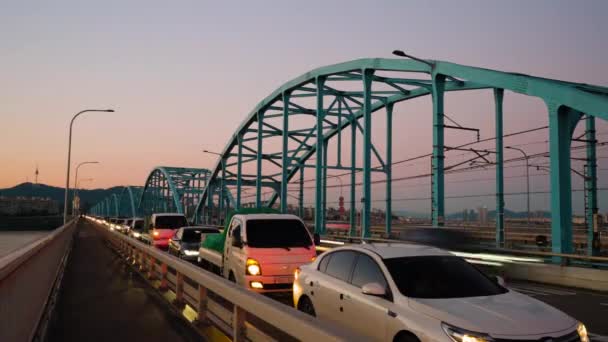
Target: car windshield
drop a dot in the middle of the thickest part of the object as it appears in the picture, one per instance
(192, 235)
(170, 222)
(440, 276)
(139, 224)
(283, 233)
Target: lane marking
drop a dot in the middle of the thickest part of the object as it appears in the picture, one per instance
(599, 338)
(604, 304)
(528, 292)
(543, 290)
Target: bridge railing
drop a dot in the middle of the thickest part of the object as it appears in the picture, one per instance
(214, 301)
(29, 280)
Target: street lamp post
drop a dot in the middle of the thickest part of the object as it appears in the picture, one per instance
(76, 206)
(527, 180)
(76, 178)
(67, 176)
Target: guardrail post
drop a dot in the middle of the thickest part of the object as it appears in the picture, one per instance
(238, 323)
(179, 289)
(202, 305)
(152, 268)
(142, 262)
(163, 277)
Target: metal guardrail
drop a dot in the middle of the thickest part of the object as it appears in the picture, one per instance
(564, 258)
(29, 280)
(239, 313)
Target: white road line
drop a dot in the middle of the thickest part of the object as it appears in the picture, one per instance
(604, 304)
(599, 338)
(528, 292)
(544, 290)
(550, 290)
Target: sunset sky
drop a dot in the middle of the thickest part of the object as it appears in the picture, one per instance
(182, 75)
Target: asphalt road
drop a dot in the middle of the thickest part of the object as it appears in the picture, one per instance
(589, 307)
(103, 300)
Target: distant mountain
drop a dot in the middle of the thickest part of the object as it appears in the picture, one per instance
(87, 197)
(508, 214)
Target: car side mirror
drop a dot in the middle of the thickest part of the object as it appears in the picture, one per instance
(500, 281)
(317, 239)
(373, 289)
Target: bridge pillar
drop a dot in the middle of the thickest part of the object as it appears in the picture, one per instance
(209, 208)
(319, 218)
(286, 161)
(325, 145)
(591, 188)
(220, 207)
(500, 200)
(239, 170)
(389, 168)
(301, 194)
(353, 178)
(260, 158)
(367, 153)
(562, 121)
(438, 198)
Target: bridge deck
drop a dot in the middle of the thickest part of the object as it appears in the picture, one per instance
(102, 300)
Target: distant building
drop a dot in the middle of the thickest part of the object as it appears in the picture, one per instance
(22, 206)
(483, 215)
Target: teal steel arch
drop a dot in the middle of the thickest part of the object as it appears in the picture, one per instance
(172, 189)
(113, 205)
(129, 201)
(340, 96)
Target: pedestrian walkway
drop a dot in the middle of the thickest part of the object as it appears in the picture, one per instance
(11, 241)
(102, 300)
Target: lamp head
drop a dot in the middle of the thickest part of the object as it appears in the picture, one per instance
(399, 53)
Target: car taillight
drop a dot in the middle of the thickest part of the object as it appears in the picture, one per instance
(155, 234)
(296, 273)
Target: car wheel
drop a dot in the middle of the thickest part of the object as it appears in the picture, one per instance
(305, 305)
(231, 277)
(406, 336)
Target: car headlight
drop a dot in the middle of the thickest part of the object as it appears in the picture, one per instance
(136, 235)
(582, 332)
(462, 335)
(253, 267)
(190, 253)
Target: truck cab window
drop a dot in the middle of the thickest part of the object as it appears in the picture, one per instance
(236, 236)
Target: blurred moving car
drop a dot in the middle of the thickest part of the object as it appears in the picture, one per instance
(122, 225)
(185, 243)
(136, 228)
(407, 292)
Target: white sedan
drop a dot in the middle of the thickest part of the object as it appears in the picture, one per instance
(405, 292)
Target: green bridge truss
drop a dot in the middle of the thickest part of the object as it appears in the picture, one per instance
(292, 129)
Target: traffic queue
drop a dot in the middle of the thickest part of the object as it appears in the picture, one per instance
(380, 291)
